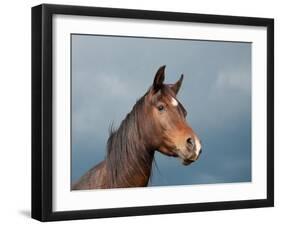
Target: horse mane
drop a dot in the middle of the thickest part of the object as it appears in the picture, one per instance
(127, 153)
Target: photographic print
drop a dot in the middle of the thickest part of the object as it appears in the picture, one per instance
(144, 109)
(138, 112)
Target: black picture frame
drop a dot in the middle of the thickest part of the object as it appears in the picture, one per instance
(42, 106)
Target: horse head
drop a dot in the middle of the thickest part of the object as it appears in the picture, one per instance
(168, 130)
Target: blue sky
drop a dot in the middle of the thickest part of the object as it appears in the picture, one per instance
(110, 73)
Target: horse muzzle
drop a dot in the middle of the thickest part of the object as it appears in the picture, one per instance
(190, 153)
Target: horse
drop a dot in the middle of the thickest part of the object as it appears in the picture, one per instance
(157, 122)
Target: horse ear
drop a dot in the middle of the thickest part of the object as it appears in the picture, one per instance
(176, 87)
(158, 79)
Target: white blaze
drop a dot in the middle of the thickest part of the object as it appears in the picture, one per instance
(174, 102)
(197, 145)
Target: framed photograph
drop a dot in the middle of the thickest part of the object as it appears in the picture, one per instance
(140, 112)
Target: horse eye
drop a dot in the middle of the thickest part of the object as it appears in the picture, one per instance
(160, 108)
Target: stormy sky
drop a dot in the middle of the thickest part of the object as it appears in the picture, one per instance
(110, 73)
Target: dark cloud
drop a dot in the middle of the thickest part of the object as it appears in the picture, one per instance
(110, 73)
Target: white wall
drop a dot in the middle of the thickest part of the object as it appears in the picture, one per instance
(15, 116)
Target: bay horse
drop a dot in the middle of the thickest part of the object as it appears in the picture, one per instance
(156, 123)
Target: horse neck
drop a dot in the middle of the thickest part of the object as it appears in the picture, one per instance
(129, 159)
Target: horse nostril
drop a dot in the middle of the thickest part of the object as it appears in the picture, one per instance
(190, 142)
